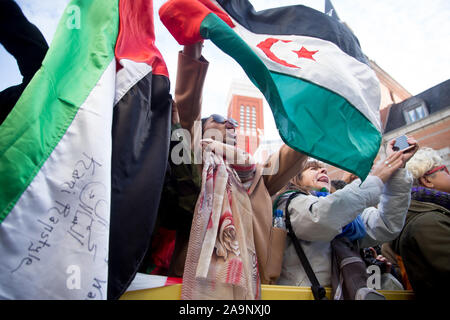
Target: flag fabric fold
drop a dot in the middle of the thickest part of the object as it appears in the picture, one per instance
(330, 11)
(140, 142)
(310, 68)
(62, 159)
(144, 281)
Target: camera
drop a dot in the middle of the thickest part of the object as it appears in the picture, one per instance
(370, 260)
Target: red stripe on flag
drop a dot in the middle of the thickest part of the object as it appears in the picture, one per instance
(136, 39)
(220, 13)
(172, 280)
(184, 17)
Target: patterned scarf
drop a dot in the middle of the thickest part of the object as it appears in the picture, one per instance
(221, 259)
(430, 195)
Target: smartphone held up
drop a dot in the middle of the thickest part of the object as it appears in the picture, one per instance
(401, 143)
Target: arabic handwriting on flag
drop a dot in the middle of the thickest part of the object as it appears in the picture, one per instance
(91, 200)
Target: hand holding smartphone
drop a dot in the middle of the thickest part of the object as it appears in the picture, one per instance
(401, 143)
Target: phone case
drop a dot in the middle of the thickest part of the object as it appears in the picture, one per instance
(401, 143)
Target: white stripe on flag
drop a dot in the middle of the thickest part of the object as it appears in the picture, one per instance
(331, 68)
(128, 76)
(55, 240)
(147, 281)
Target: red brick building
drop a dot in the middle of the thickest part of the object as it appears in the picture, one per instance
(248, 111)
(425, 116)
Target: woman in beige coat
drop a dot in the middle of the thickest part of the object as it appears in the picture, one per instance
(266, 180)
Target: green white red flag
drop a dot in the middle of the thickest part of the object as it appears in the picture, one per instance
(83, 156)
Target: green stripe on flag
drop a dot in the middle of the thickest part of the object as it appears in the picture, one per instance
(310, 118)
(326, 125)
(73, 65)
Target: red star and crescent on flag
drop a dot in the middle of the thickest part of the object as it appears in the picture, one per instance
(267, 44)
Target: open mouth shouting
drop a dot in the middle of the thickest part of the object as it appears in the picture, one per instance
(323, 179)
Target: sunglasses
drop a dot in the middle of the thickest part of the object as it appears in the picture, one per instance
(220, 119)
(443, 167)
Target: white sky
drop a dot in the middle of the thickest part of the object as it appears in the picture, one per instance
(409, 39)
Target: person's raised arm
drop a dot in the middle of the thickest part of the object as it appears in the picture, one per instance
(191, 73)
(386, 221)
(281, 167)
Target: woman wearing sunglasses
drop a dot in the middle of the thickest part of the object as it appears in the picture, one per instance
(250, 185)
(226, 127)
(424, 243)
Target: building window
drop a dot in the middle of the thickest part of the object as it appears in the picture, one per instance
(413, 116)
(415, 112)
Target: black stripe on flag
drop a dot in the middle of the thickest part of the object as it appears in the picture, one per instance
(140, 148)
(294, 20)
(329, 10)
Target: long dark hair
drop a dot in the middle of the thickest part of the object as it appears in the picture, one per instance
(204, 122)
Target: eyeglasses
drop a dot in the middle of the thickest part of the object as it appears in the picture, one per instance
(220, 119)
(443, 167)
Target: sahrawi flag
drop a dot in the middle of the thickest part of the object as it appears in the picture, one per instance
(82, 157)
(310, 68)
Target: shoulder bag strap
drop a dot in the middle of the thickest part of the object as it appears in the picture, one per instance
(318, 291)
